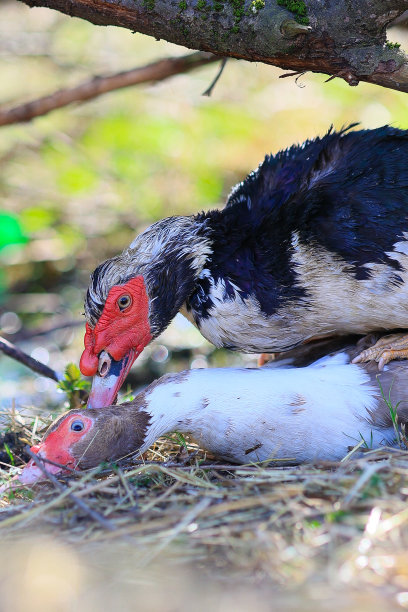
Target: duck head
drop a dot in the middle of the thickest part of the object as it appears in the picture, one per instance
(133, 297)
(82, 439)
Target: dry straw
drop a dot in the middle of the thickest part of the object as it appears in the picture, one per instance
(346, 520)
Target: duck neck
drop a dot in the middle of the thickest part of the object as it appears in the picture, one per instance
(175, 252)
(172, 241)
(170, 405)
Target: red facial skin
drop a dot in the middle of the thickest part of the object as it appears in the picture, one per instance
(56, 447)
(118, 331)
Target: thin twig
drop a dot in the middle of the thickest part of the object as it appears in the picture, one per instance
(60, 465)
(107, 524)
(250, 467)
(369, 471)
(352, 451)
(98, 85)
(126, 486)
(8, 348)
(44, 330)
(209, 89)
(291, 74)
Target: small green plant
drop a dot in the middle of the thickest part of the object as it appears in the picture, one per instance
(257, 5)
(392, 45)
(179, 438)
(74, 386)
(149, 4)
(298, 8)
(393, 413)
(365, 443)
(182, 5)
(9, 453)
(374, 487)
(143, 481)
(238, 9)
(128, 396)
(218, 6)
(337, 516)
(313, 524)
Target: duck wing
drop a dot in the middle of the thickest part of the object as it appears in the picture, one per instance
(347, 192)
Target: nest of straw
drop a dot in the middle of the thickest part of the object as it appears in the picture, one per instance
(285, 524)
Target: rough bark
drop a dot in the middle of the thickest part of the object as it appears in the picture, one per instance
(339, 38)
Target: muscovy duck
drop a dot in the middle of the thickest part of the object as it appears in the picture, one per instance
(242, 415)
(311, 244)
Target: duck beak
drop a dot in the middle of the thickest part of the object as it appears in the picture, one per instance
(31, 473)
(109, 378)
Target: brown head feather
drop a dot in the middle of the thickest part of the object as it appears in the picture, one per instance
(116, 433)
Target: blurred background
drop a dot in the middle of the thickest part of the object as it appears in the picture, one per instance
(48, 575)
(77, 185)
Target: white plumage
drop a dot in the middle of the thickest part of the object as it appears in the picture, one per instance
(304, 414)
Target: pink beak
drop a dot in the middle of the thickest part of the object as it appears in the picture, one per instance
(107, 382)
(31, 473)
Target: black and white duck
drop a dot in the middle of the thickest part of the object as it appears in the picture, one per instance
(312, 244)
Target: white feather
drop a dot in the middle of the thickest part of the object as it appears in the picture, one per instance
(335, 303)
(248, 415)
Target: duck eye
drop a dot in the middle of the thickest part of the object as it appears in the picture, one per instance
(124, 302)
(77, 425)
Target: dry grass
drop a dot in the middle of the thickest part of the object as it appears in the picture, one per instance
(321, 532)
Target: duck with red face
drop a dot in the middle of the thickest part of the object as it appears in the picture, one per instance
(119, 336)
(133, 297)
(57, 447)
(312, 244)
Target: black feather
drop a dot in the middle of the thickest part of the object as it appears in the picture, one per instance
(346, 192)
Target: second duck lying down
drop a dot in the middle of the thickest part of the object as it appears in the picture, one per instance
(241, 415)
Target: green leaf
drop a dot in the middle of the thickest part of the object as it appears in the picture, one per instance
(9, 453)
(10, 230)
(72, 383)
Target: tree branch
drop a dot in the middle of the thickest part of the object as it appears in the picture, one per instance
(99, 85)
(344, 39)
(15, 353)
(48, 328)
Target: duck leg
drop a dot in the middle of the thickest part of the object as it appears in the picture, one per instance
(388, 348)
(266, 358)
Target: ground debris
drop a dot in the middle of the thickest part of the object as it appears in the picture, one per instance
(284, 525)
